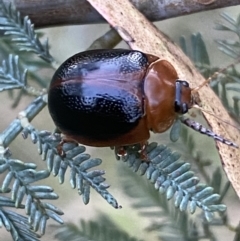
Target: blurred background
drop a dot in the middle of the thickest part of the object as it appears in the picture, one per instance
(65, 42)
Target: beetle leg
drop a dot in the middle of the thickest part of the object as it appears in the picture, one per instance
(139, 150)
(143, 151)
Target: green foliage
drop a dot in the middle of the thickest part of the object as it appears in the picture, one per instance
(229, 80)
(174, 178)
(231, 47)
(73, 157)
(22, 32)
(17, 225)
(20, 176)
(168, 174)
(96, 231)
(167, 221)
(11, 77)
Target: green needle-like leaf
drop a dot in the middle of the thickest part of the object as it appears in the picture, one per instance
(11, 76)
(22, 32)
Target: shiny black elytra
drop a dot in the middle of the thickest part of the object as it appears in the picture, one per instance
(115, 97)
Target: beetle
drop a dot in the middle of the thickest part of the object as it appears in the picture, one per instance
(115, 97)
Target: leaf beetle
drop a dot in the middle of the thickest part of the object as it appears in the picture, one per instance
(115, 97)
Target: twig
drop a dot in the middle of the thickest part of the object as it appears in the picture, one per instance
(16, 126)
(47, 13)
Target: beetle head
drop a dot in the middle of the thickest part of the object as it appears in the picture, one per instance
(183, 97)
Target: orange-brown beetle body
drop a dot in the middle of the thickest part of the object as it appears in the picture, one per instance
(115, 97)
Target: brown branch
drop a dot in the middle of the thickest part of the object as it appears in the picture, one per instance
(47, 13)
(121, 14)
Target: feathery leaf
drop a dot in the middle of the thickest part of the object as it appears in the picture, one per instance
(22, 32)
(173, 177)
(11, 76)
(22, 175)
(72, 156)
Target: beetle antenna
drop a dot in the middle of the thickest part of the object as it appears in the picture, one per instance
(196, 89)
(203, 130)
(208, 112)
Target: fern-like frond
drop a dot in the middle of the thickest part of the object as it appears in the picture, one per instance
(231, 77)
(32, 73)
(75, 158)
(22, 32)
(198, 53)
(231, 46)
(233, 24)
(174, 178)
(17, 225)
(168, 222)
(21, 176)
(214, 178)
(11, 76)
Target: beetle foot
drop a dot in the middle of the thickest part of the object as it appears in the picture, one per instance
(139, 150)
(120, 152)
(143, 152)
(60, 149)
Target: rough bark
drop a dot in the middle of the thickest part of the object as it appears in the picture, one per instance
(46, 13)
